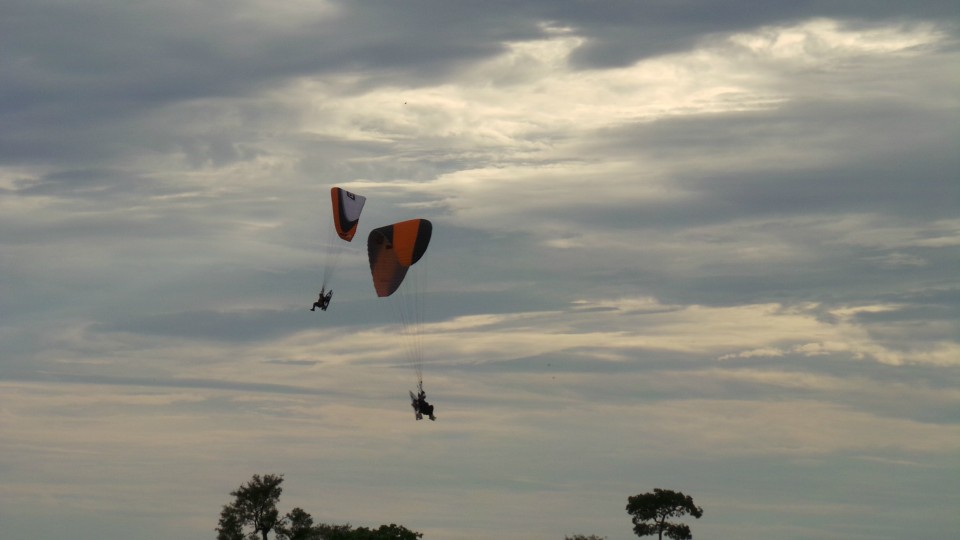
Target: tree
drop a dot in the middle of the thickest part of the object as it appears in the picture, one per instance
(253, 514)
(230, 527)
(650, 512)
(334, 532)
(298, 525)
(385, 532)
(254, 507)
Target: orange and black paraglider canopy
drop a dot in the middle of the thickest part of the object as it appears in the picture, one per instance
(395, 248)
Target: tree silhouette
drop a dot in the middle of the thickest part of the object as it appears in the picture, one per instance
(650, 512)
(254, 508)
(230, 527)
(297, 525)
(386, 532)
(253, 514)
(335, 532)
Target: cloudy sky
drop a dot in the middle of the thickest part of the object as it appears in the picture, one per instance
(708, 246)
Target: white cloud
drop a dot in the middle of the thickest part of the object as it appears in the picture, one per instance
(813, 41)
(636, 223)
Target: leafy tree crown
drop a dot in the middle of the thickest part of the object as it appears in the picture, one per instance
(651, 511)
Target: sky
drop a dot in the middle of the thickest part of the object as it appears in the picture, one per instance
(704, 246)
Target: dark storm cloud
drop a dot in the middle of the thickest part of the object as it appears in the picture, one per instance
(71, 68)
(622, 32)
(890, 158)
(91, 67)
(916, 313)
(897, 160)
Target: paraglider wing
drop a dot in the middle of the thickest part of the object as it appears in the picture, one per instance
(346, 216)
(346, 211)
(393, 249)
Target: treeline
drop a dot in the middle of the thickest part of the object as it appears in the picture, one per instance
(253, 515)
